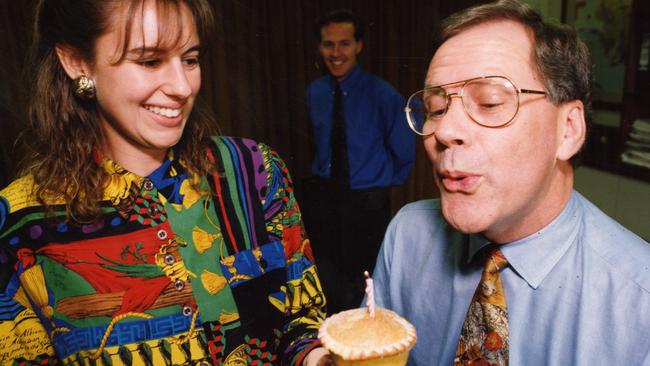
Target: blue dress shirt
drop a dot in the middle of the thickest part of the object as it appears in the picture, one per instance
(578, 291)
(381, 148)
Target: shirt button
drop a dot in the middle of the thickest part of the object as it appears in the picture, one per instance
(153, 210)
(179, 285)
(187, 310)
(148, 185)
(169, 259)
(162, 234)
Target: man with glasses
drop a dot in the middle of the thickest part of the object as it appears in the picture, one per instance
(362, 146)
(511, 265)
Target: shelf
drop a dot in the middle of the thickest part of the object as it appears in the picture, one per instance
(603, 152)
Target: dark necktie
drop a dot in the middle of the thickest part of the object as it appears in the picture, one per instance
(484, 336)
(339, 159)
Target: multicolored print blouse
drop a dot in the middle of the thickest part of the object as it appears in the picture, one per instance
(171, 275)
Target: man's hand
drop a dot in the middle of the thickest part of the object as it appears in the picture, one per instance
(318, 357)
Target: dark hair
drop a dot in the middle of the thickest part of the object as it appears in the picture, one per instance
(561, 58)
(341, 16)
(64, 131)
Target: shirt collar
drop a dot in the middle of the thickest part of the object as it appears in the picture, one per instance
(476, 243)
(534, 256)
(122, 184)
(349, 80)
(166, 178)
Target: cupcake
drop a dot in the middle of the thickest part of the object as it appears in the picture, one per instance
(355, 337)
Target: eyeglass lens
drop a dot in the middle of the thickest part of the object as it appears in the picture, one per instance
(490, 102)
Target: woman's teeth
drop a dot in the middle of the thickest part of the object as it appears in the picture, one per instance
(167, 112)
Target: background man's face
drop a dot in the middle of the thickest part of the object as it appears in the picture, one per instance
(339, 48)
(502, 182)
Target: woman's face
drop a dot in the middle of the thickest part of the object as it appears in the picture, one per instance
(145, 99)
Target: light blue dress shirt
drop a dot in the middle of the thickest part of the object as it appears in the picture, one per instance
(381, 147)
(578, 291)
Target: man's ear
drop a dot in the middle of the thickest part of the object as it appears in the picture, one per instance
(572, 129)
(72, 61)
(359, 46)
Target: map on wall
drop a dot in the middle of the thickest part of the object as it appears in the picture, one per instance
(603, 25)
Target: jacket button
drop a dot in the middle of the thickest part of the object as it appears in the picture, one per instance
(148, 185)
(187, 310)
(162, 234)
(179, 285)
(170, 259)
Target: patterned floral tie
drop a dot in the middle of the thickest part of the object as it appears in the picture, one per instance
(484, 336)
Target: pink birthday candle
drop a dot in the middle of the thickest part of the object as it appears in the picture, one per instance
(370, 294)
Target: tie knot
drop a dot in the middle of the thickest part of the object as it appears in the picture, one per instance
(495, 261)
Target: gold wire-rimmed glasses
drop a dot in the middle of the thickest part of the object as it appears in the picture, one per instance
(490, 101)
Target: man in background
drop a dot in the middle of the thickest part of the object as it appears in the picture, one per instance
(511, 265)
(362, 147)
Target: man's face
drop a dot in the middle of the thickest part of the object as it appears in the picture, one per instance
(339, 48)
(503, 182)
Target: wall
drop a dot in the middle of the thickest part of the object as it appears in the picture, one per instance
(551, 9)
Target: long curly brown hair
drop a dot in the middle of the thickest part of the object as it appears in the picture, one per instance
(64, 131)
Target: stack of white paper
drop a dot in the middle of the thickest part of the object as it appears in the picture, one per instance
(637, 147)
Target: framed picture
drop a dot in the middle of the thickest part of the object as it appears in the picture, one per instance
(604, 26)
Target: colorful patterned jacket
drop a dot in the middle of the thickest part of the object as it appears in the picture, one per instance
(170, 275)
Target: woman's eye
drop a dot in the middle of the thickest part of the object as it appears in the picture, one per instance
(192, 61)
(149, 63)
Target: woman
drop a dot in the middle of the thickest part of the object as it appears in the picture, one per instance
(134, 237)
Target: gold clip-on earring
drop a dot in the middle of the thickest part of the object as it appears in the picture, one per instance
(83, 88)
